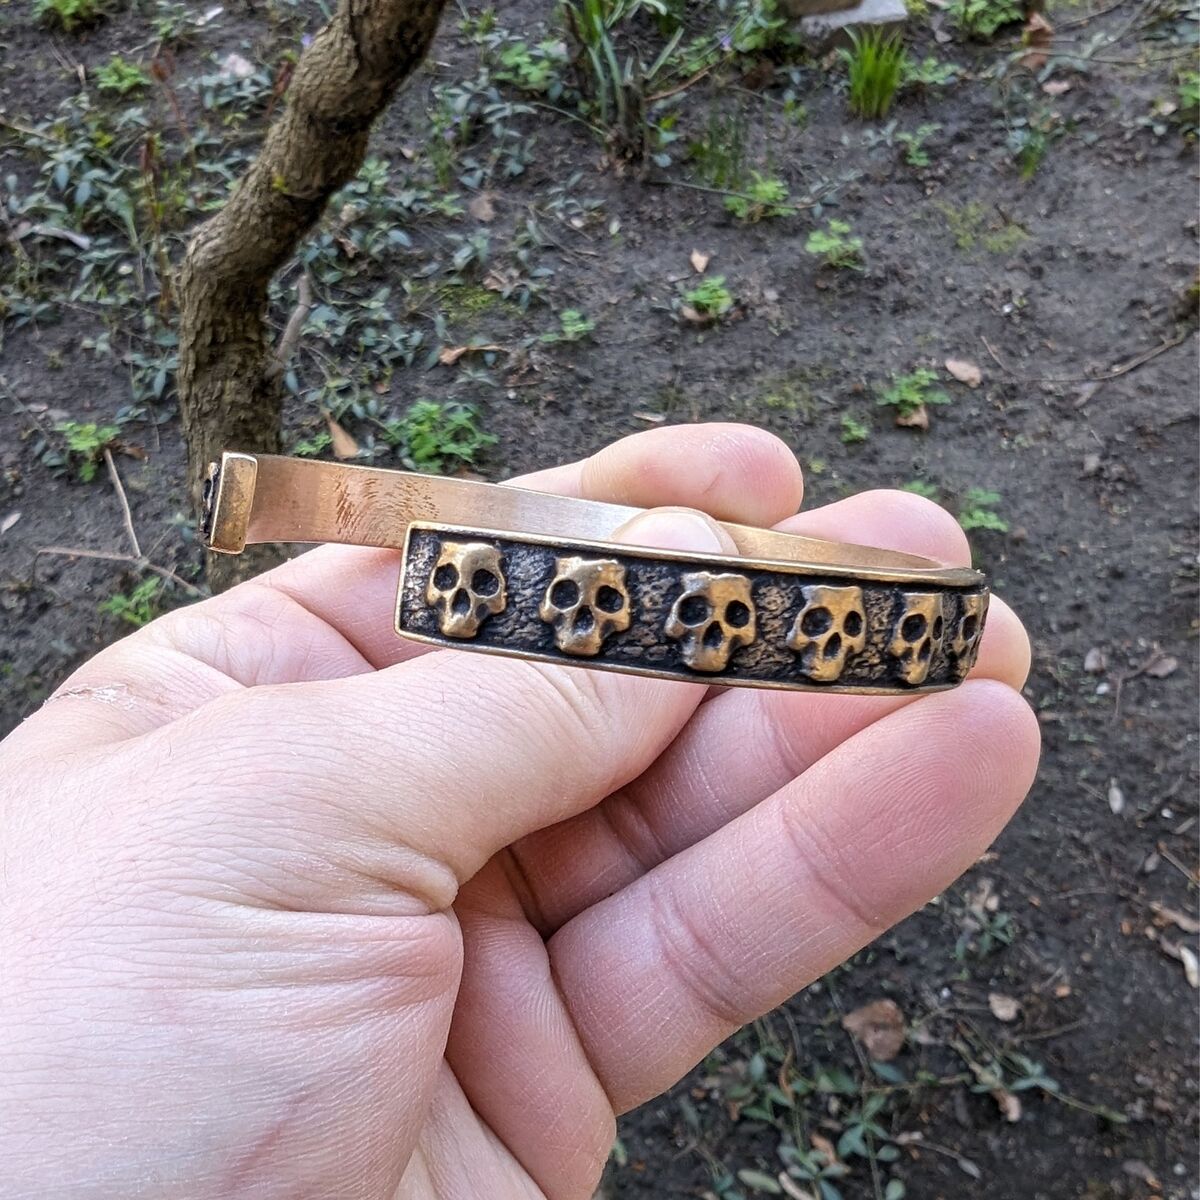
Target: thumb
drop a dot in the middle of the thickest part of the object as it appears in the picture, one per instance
(419, 773)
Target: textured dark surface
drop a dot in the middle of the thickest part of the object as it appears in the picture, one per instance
(654, 586)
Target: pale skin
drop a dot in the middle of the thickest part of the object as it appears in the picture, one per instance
(291, 908)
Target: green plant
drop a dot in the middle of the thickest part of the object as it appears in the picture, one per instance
(910, 393)
(853, 430)
(574, 326)
(436, 437)
(86, 445)
(981, 18)
(710, 297)
(139, 607)
(536, 69)
(69, 15)
(763, 197)
(1029, 138)
(968, 225)
(1187, 101)
(836, 246)
(929, 72)
(978, 511)
(311, 447)
(915, 153)
(121, 77)
(876, 64)
(920, 487)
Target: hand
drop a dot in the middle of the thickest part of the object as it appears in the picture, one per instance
(294, 908)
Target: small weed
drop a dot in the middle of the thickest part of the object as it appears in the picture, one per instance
(982, 18)
(574, 326)
(69, 15)
(908, 394)
(121, 77)
(139, 607)
(1030, 137)
(763, 197)
(915, 153)
(86, 445)
(537, 69)
(876, 64)
(436, 437)
(853, 430)
(1187, 102)
(311, 447)
(710, 297)
(836, 246)
(929, 72)
(978, 511)
(921, 487)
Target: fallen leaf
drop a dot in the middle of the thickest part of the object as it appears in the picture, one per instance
(699, 261)
(9, 521)
(234, 66)
(343, 445)
(1062, 991)
(1094, 662)
(688, 313)
(1056, 87)
(1191, 965)
(879, 1026)
(449, 355)
(1009, 1105)
(965, 371)
(917, 419)
(1162, 666)
(1165, 915)
(1116, 798)
(481, 208)
(760, 1181)
(1038, 35)
(1004, 1008)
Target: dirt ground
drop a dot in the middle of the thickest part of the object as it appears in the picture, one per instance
(1050, 1017)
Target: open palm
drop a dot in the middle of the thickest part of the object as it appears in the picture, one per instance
(293, 908)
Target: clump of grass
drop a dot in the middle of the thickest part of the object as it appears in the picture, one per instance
(836, 246)
(763, 197)
(877, 64)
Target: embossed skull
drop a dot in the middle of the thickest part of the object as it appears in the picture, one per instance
(466, 587)
(712, 618)
(586, 601)
(917, 634)
(968, 630)
(830, 627)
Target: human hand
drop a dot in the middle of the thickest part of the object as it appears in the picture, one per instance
(293, 908)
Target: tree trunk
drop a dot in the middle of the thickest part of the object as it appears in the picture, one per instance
(230, 393)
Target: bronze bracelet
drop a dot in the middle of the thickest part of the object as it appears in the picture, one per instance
(504, 570)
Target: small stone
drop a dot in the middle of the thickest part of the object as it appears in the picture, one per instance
(834, 28)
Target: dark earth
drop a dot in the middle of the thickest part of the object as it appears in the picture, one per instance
(1049, 997)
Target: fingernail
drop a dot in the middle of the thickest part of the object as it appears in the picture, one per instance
(672, 529)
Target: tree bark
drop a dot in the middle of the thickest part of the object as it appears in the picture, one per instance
(229, 395)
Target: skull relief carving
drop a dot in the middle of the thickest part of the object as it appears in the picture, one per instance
(586, 601)
(466, 587)
(712, 618)
(968, 630)
(830, 627)
(917, 634)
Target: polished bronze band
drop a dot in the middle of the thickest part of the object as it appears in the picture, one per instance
(505, 570)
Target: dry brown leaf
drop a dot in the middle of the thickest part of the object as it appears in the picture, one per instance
(699, 261)
(824, 1147)
(1038, 35)
(1162, 666)
(1009, 1105)
(917, 419)
(879, 1026)
(1004, 1008)
(1191, 965)
(688, 313)
(1163, 914)
(1136, 1169)
(9, 521)
(965, 371)
(342, 444)
(449, 355)
(481, 208)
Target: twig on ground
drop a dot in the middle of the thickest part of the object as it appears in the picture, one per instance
(1114, 372)
(295, 324)
(124, 502)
